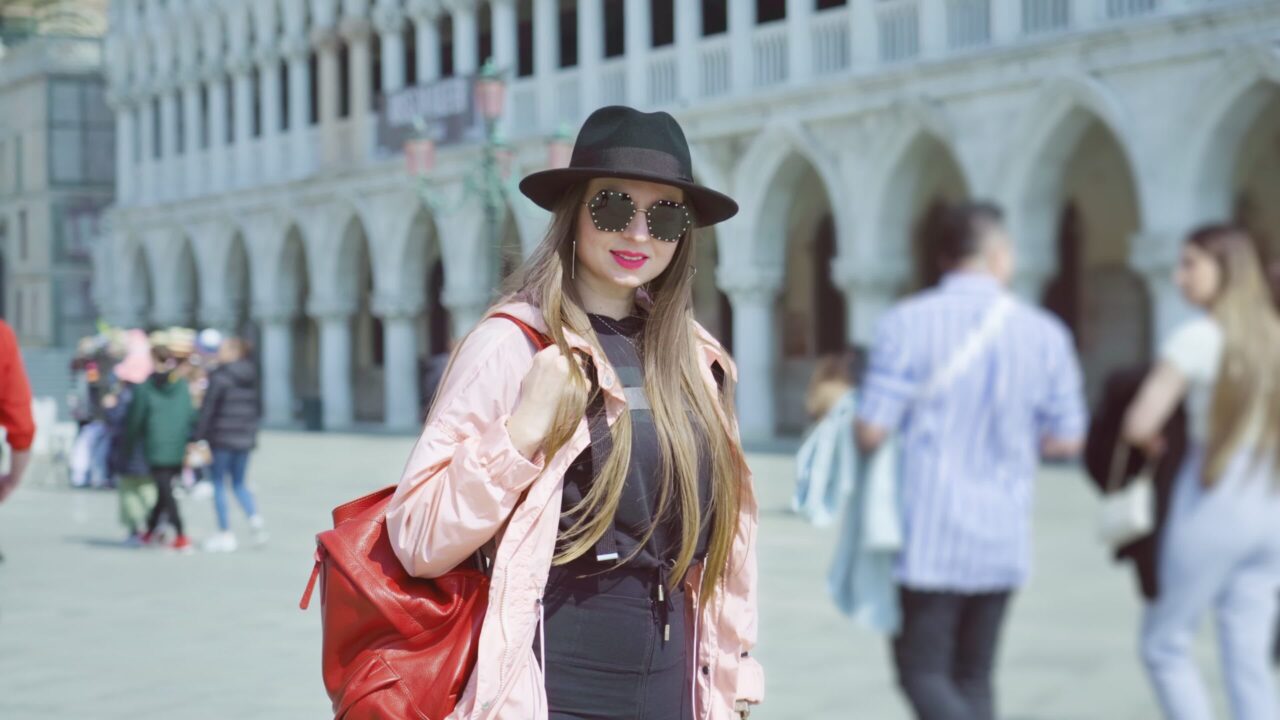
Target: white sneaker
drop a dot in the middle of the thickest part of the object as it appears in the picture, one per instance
(221, 542)
(259, 529)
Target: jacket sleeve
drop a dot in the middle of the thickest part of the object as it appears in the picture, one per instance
(464, 476)
(742, 581)
(137, 416)
(15, 394)
(209, 409)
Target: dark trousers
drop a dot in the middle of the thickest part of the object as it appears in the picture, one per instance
(166, 504)
(946, 652)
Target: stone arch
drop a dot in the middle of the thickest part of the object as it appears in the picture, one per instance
(921, 174)
(352, 282)
(1077, 205)
(239, 285)
(776, 157)
(788, 192)
(139, 287)
(1057, 117)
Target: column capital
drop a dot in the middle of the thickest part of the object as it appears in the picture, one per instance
(459, 6)
(191, 78)
(325, 38)
(267, 55)
(848, 273)
(330, 309)
(393, 307)
(355, 29)
(295, 47)
(274, 313)
(424, 10)
(212, 70)
(1154, 252)
(388, 19)
(240, 63)
(750, 284)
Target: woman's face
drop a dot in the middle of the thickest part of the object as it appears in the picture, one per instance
(623, 261)
(1198, 276)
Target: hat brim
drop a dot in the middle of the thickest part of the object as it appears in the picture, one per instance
(547, 187)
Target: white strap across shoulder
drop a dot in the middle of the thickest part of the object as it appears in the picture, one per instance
(974, 345)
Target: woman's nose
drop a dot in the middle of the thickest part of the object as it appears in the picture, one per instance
(638, 229)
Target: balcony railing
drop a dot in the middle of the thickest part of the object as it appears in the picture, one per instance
(899, 25)
(769, 55)
(861, 36)
(831, 43)
(713, 66)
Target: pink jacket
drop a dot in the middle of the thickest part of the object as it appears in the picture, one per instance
(462, 487)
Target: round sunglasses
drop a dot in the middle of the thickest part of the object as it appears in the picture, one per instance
(611, 211)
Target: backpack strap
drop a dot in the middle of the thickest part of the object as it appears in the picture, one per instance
(539, 340)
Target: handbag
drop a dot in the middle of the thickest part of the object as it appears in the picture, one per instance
(394, 645)
(199, 455)
(1127, 513)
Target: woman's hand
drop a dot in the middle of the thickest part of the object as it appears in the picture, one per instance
(546, 384)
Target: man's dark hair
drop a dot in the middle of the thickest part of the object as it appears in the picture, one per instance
(961, 229)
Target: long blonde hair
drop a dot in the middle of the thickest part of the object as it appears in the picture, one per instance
(678, 395)
(1248, 383)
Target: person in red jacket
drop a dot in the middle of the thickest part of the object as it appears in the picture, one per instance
(15, 410)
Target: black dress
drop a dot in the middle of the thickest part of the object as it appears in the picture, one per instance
(616, 633)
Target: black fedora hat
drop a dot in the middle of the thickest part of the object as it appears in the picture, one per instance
(622, 142)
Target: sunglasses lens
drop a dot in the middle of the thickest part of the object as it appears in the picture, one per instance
(668, 222)
(611, 211)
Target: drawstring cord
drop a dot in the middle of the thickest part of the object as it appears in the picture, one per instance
(542, 638)
(665, 602)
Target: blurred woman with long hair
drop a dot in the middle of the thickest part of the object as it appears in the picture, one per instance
(1220, 550)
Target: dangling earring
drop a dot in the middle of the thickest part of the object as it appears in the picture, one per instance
(573, 262)
(693, 272)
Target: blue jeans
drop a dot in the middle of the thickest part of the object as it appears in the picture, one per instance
(232, 462)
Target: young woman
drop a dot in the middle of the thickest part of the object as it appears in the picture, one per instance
(1220, 549)
(603, 476)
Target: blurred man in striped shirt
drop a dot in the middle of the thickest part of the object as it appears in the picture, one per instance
(977, 387)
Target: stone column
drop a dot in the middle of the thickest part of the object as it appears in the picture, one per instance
(466, 303)
(590, 53)
(1154, 256)
(546, 59)
(327, 44)
(933, 28)
(688, 29)
(269, 99)
(241, 68)
(868, 292)
(754, 295)
(400, 353)
(1006, 21)
(465, 49)
(504, 35)
(864, 33)
(742, 20)
(168, 164)
(298, 51)
(426, 38)
(277, 365)
(639, 40)
(357, 31)
(218, 177)
(122, 103)
(147, 156)
(193, 128)
(389, 21)
(799, 40)
(335, 365)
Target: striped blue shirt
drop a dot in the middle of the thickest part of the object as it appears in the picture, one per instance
(968, 455)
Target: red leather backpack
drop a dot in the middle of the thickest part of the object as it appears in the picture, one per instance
(394, 645)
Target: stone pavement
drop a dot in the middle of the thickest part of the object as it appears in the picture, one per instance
(91, 630)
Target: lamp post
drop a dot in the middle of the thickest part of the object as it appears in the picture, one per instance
(491, 180)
